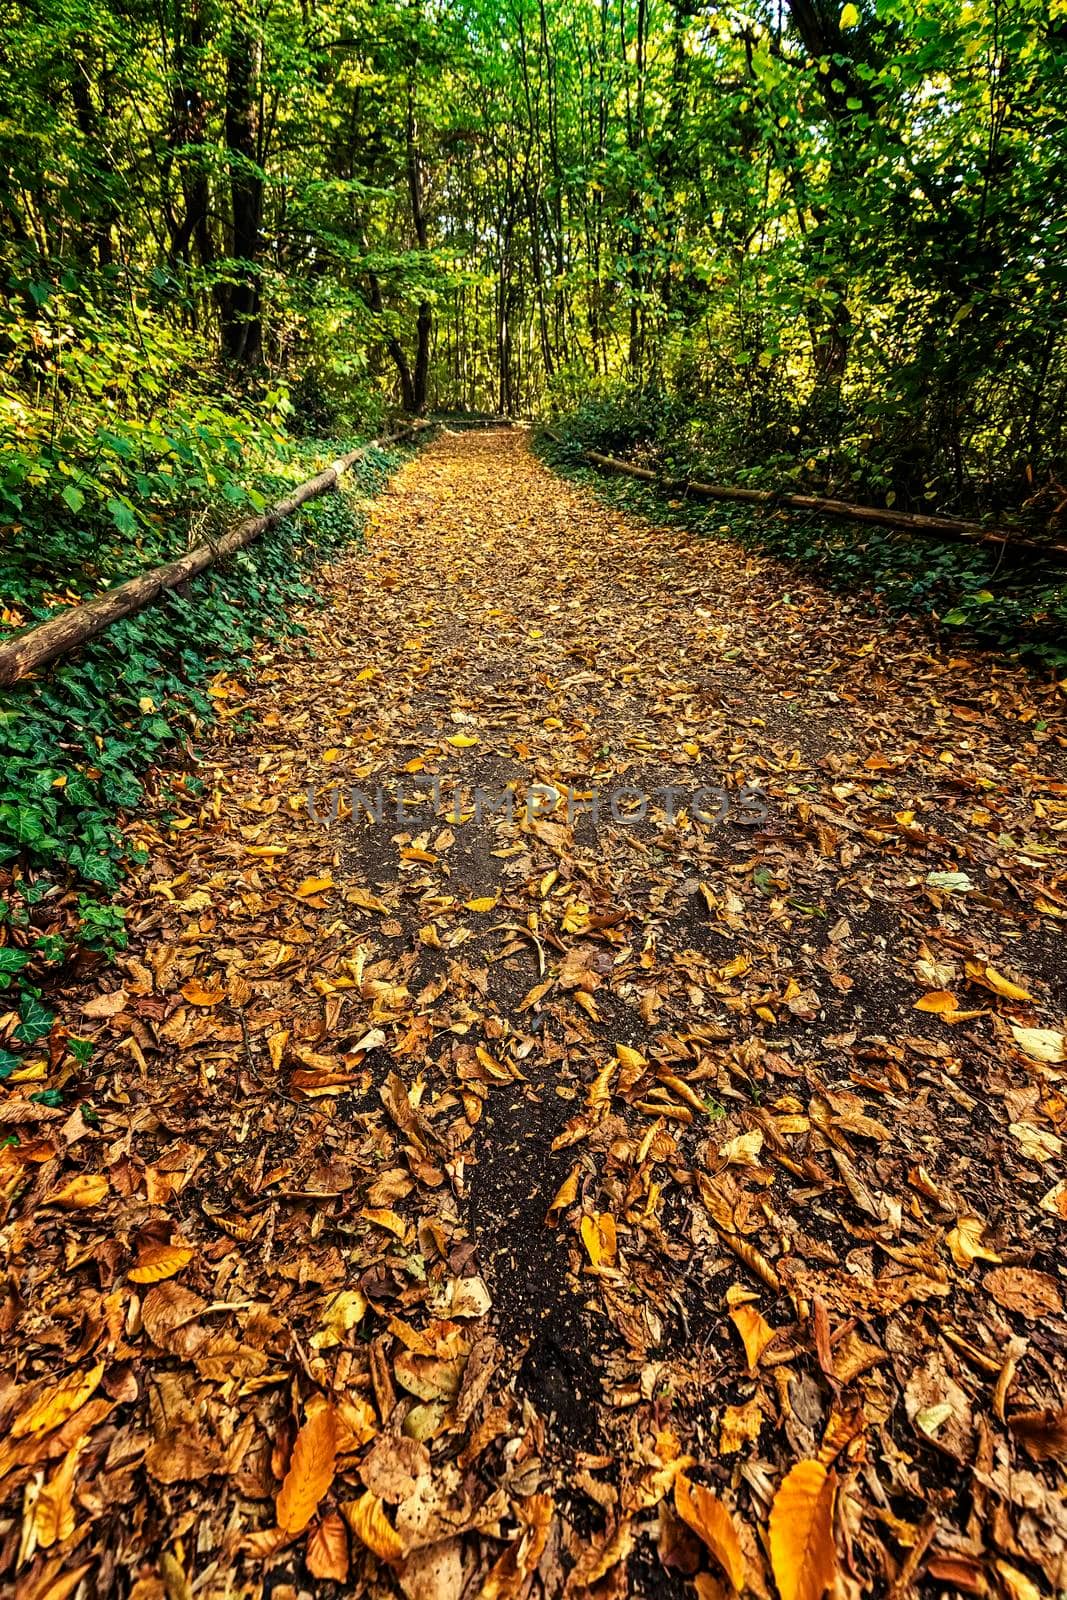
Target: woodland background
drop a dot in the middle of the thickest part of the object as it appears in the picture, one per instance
(794, 244)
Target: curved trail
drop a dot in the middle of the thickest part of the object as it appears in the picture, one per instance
(530, 1166)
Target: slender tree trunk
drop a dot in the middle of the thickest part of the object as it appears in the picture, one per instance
(242, 326)
(424, 320)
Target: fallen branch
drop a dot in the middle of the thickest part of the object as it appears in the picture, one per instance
(67, 630)
(909, 521)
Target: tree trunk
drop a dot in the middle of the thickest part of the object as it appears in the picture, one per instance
(242, 327)
(424, 322)
(34, 648)
(912, 522)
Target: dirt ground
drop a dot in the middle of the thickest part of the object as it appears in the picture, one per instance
(665, 1200)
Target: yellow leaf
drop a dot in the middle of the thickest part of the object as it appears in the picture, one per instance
(311, 1469)
(599, 1238)
(462, 741)
(599, 1096)
(801, 1532)
(849, 18)
(739, 1426)
(709, 1518)
(567, 1192)
(990, 978)
(371, 1526)
(387, 1219)
(53, 1514)
(345, 1311)
(744, 1151)
(965, 1241)
(1041, 1044)
(631, 1065)
(587, 1003)
(756, 1332)
(84, 1189)
(485, 902)
(161, 1261)
(58, 1403)
(312, 886)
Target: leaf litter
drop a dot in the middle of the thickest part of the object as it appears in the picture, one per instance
(560, 1205)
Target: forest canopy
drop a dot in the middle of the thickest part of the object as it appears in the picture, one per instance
(812, 240)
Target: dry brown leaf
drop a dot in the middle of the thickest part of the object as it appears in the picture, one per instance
(1042, 1434)
(1031, 1294)
(326, 1554)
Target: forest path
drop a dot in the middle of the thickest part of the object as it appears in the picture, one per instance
(520, 1168)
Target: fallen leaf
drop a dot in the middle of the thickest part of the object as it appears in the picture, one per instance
(56, 1403)
(199, 994)
(756, 1332)
(368, 1522)
(966, 1242)
(1031, 1294)
(598, 1236)
(159, 1261)
(1040, 1044)
(78, 1193)
(801, 1532)
(938, 1001)
(326, 1554)
(709, 1518)
(311, 1470)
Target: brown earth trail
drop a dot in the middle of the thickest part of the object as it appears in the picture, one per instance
(468, 1205)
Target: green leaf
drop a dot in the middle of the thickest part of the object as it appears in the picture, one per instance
(73, 497)
(122, 516)
(35, 1019)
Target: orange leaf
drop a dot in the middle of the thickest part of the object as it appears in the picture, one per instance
(312, 886)
(161, 1261)
(198, 994)
(327, 1549)
(310, 1471)
(708, 1517)
(567, 1192)
(801, 1532)
(756, 1332)
(938, 1001)
(372, 1527)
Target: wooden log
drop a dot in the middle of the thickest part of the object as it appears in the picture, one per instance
(908, 521)
(67, 630)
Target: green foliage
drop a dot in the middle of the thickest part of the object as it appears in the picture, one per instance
(75, 744)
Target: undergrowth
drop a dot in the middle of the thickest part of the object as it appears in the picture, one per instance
(999, 600)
